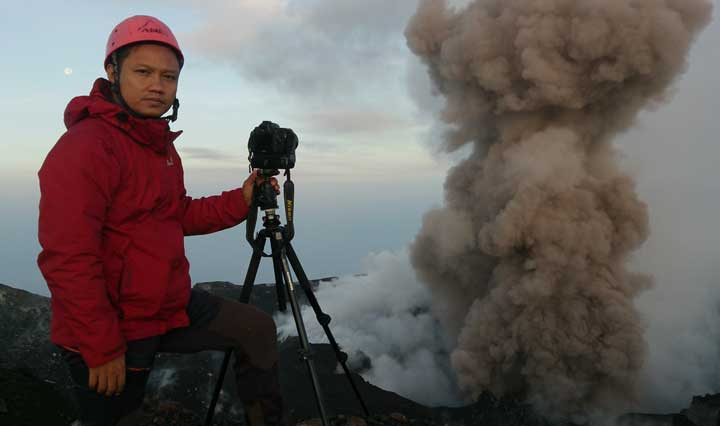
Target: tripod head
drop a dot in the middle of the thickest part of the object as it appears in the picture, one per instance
(264, 195)
(265, 198)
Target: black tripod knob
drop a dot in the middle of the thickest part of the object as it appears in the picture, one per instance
(323, 318)
(265, 196)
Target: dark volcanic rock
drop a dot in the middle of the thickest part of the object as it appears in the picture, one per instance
(24, 331)
(26, 400)
(489, 410)
(704, 410)
(654, 420)
(336, 390)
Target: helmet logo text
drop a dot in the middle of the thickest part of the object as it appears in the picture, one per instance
(146, 29)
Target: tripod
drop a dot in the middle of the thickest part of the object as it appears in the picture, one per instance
(282, 254)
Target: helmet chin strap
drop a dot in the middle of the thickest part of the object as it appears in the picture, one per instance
(115, 88)
(174, 115)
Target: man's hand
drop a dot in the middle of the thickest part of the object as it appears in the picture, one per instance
(252, 181)
(108, 379)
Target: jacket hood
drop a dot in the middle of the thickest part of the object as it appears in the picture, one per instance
(154, 132)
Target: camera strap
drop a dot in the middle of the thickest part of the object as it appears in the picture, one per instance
(250, 222)
(289, 194)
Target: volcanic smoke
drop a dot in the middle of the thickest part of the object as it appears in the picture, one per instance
(527, 259)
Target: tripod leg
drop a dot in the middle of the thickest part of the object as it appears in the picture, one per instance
(244, 298)
(279, 284)
(258, 248)
(302, 334)
(323, 319)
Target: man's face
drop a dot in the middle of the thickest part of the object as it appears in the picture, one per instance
(148, 79)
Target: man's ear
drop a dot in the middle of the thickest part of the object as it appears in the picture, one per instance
(110, 71)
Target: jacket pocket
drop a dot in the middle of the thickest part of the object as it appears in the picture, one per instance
(143, 285)
(114, 268)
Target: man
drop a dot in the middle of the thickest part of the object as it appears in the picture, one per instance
(113, 215)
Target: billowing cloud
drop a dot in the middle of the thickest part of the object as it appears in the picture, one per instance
(351, 121)
(528, 256)
(315, 48)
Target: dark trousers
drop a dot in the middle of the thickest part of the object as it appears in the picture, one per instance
(215, 324)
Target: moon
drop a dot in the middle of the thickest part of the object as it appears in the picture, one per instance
(68, 71)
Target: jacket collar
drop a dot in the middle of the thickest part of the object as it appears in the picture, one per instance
(153, 132)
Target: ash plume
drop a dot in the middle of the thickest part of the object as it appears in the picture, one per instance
(527, 258)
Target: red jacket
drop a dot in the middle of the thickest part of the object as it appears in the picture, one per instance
(113, 215)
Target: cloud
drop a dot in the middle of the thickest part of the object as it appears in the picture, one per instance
(317, 48)
(232, 23)
(193, 153)
(347, 121)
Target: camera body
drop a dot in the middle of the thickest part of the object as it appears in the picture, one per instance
(272, 147)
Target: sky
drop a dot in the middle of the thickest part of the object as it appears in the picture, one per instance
(339, 73)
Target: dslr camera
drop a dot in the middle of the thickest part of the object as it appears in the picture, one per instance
(272, 147)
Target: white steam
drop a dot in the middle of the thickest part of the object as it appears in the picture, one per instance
(385, 316)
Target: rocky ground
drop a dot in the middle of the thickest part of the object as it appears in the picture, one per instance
(35, 388)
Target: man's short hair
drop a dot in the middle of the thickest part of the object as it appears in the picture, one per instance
(123, 52)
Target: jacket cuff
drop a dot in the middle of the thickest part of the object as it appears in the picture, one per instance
(240, 204)
(94, 358)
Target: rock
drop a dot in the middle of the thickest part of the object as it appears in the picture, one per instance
(356, 421)
(704, 410)
(29, 401)
(638, 419)
(310, 422)
(24, 333)
(399, 418)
